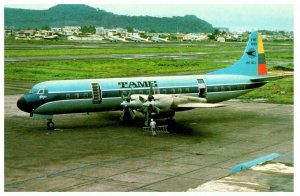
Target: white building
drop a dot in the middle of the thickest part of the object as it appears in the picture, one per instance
(71, 30)
(100, 31)
(57, 30)
(221, 39)
(195, 37)
(103, 31)
(121, 30)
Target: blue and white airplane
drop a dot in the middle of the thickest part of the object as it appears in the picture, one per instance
(153, 96)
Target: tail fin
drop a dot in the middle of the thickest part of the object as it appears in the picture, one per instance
(253, 61)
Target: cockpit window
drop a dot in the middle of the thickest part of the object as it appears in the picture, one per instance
(38, 91)
(33, 91)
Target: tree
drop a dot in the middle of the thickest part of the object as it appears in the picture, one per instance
(88, 29)
(129, 29)
(216, 32)
(46, 27)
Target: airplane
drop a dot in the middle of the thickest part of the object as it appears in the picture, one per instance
(158, 39)
(137, 38)
(159, 96)
(51, 37)
(113, 38)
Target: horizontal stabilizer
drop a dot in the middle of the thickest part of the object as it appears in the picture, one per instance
(270, 78)
(200, 105)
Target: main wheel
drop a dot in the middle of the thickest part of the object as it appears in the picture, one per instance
(50, 125)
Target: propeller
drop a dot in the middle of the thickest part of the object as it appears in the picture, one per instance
(143, 104)
(149, 105)
(126, 109)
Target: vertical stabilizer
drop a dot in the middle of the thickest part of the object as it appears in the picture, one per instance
(253, 61)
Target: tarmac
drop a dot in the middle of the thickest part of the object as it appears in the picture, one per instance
(240, 132)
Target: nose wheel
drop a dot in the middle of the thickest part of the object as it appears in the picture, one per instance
(50, 125)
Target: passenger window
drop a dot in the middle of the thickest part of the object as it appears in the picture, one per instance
(41, 92)
(86, 95)
(67, 96)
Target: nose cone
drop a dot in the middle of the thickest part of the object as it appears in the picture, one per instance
(124, 104)
(23, 105)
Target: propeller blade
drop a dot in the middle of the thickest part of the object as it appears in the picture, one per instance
(122, 115)
(129, 95)
(151, 92)
(126, 113)
(156, 109)
(147, 119)
(122, 96)
(142, 99)
(144, 109)
(131, 113)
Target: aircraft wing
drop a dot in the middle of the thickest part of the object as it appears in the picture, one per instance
(200, 105)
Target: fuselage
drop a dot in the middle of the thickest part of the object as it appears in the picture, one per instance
(93, 95)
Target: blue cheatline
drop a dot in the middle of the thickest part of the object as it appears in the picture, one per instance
(254, 162)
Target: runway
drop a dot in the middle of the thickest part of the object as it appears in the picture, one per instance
(97, 153)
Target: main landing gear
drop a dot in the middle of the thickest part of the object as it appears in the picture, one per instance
(50, 125)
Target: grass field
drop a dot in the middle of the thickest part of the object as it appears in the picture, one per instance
(203, 57)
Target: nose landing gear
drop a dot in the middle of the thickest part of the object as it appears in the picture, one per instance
(50, 125)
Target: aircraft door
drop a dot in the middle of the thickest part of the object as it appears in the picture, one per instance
(201, 88)
(96, 93)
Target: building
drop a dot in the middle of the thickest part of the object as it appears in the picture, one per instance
(195, 37)
(100, 31)
(220, 39)
(71, 30)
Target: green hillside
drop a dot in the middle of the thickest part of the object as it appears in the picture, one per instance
(82, 15)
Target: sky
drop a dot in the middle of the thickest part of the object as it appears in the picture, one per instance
(236, 16)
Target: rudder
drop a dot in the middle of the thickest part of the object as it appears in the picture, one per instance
(253, 61)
